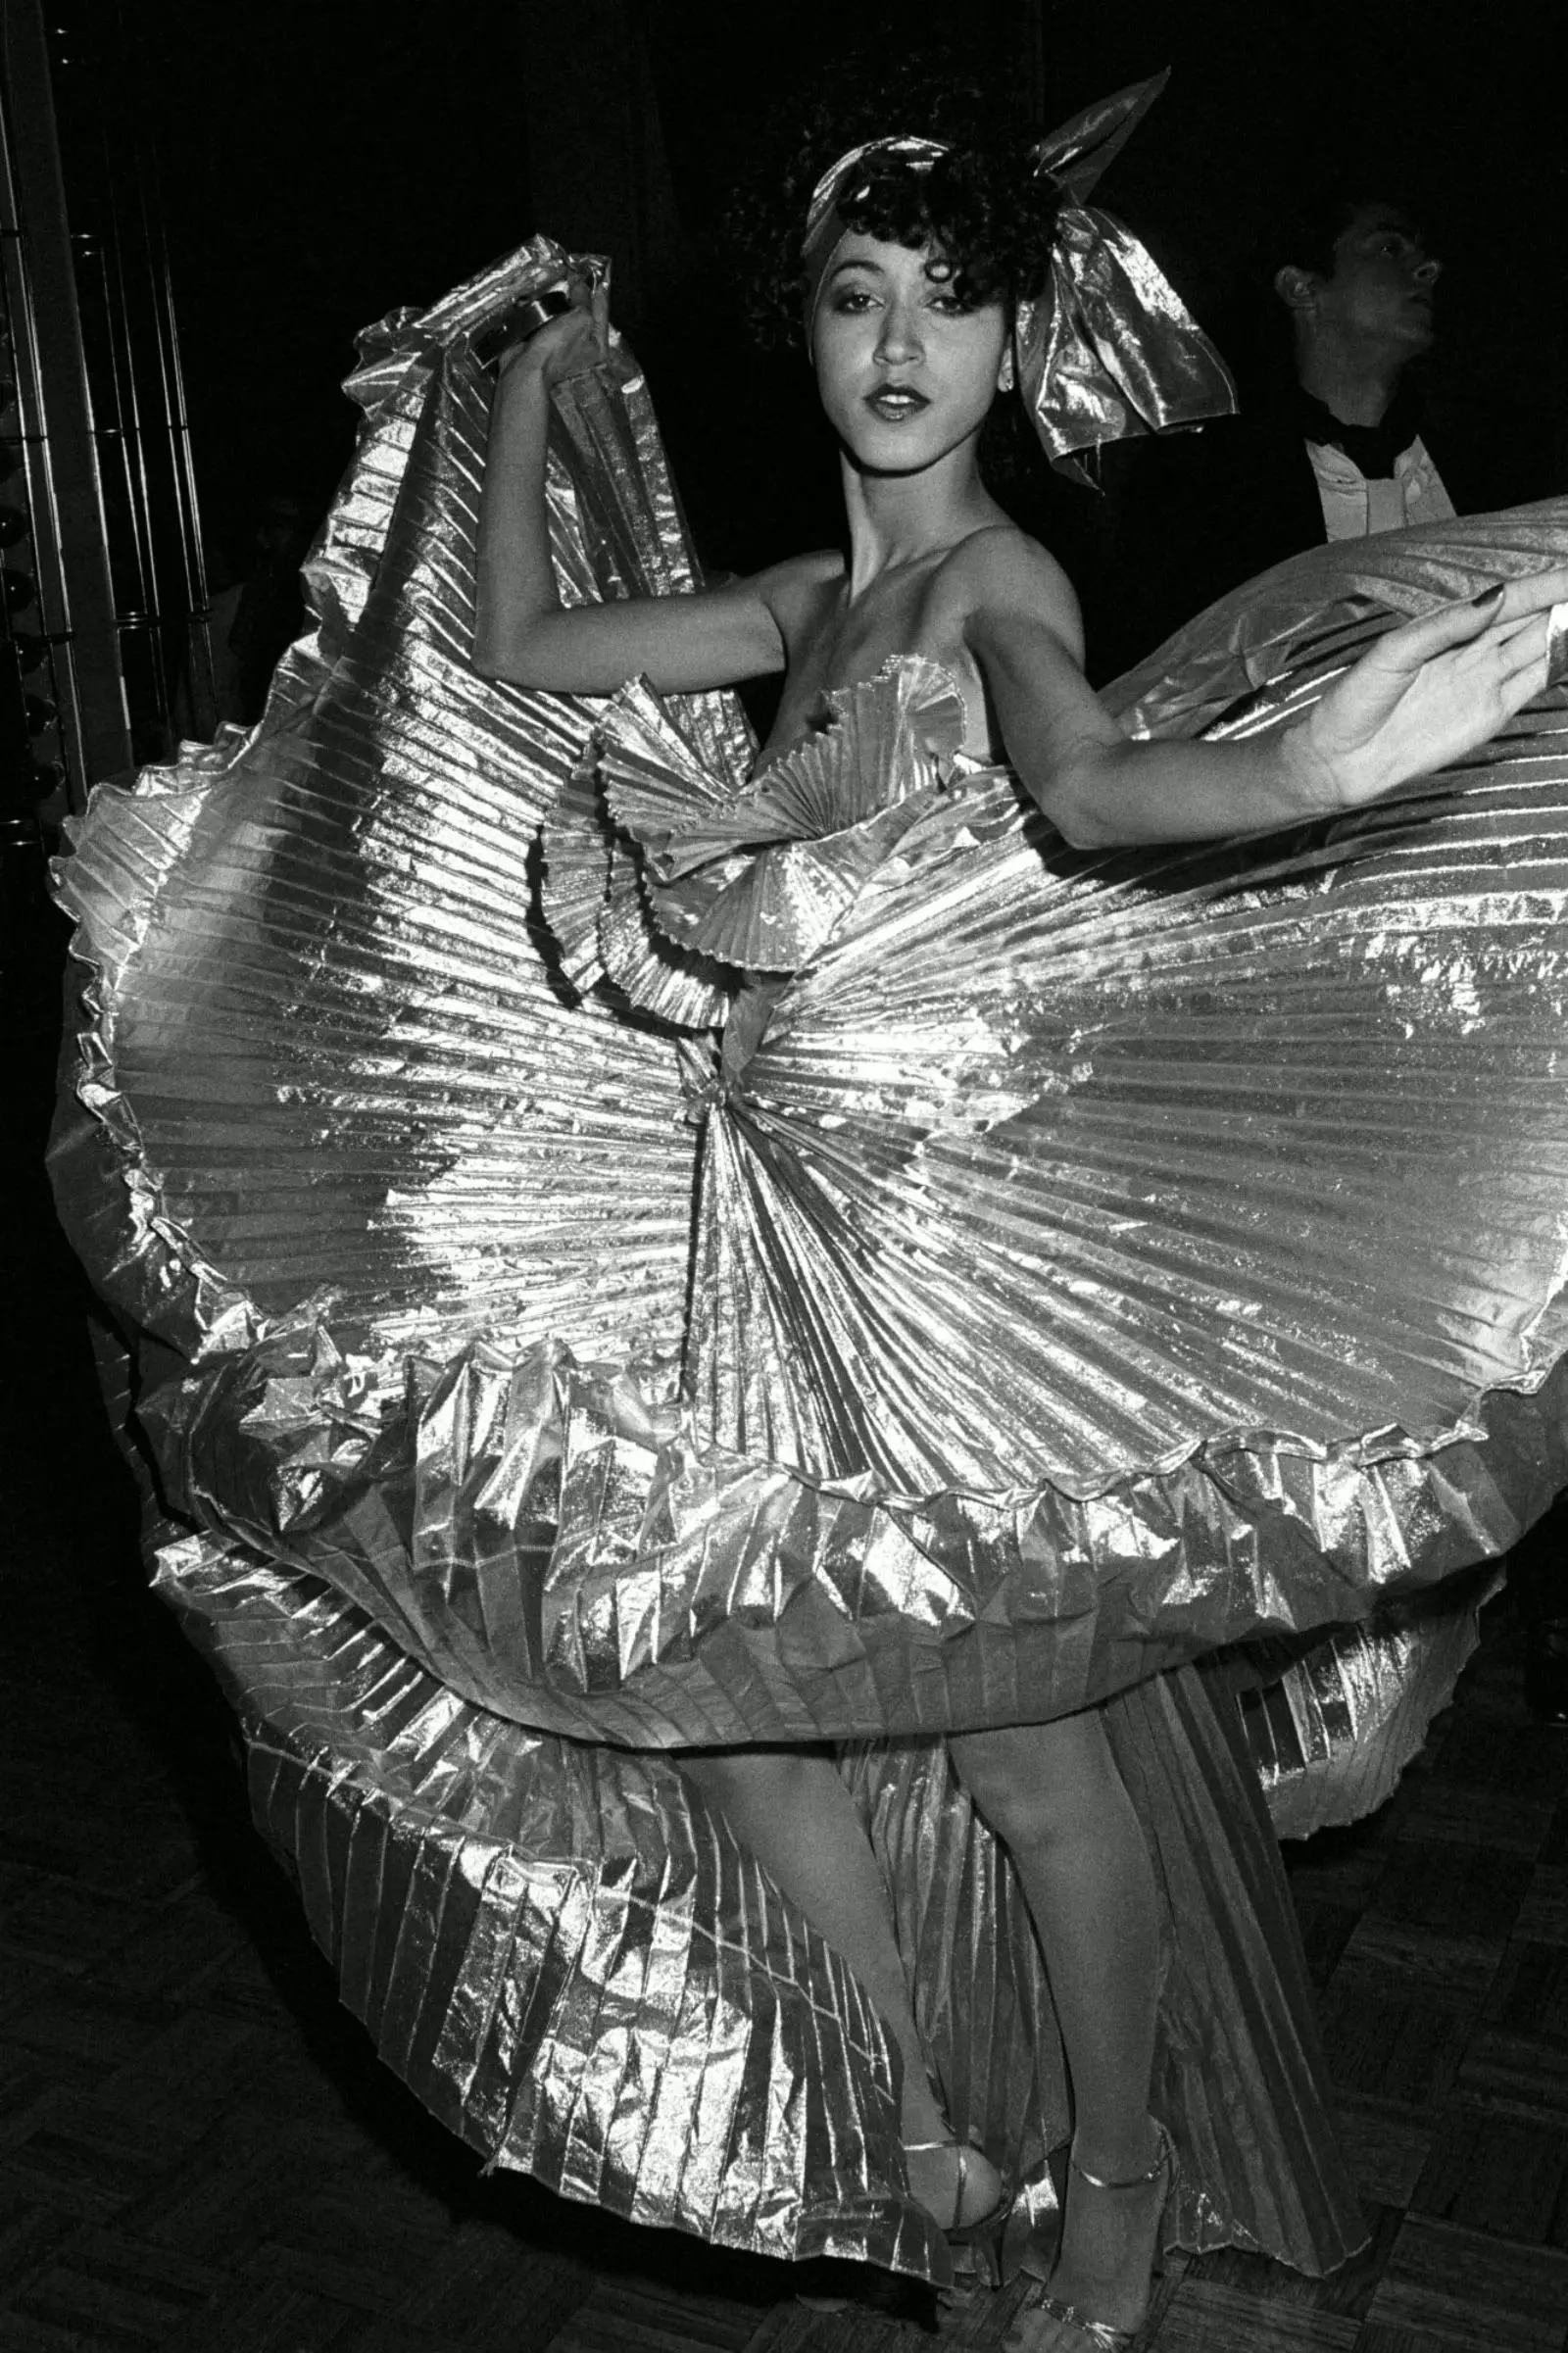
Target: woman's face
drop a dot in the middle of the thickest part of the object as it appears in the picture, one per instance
(905, 372)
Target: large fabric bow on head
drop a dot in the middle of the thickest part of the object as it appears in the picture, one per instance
(1108, 350)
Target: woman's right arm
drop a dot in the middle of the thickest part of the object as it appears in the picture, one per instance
(522, 632)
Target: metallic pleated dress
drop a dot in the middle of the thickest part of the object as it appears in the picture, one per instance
(626, 1255)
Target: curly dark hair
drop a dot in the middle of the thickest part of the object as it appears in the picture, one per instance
(980, 207)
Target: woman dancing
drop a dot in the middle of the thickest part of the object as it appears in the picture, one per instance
(915, 258)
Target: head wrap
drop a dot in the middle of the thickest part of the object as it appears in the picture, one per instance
(1106, 349)
(824, 232)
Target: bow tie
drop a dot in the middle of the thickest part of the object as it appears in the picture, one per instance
(1371, 448)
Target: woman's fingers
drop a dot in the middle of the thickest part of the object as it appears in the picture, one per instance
(1541, 637)
(1521, 618)
(1415, 642)
(1533, 655)
(572, 344)
(1435, 690)
(1556, 642)
(1534, 592)
(1524, 642)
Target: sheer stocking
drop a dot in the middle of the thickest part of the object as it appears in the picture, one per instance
(1052, 1793)
(790, 1807)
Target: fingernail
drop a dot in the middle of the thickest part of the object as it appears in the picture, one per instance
(1489, 596)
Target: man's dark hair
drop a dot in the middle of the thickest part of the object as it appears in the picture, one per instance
(1303, 224)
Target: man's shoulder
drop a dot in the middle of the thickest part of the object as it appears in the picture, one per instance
(1240, 486)
(1260, 438)
(1202, 512)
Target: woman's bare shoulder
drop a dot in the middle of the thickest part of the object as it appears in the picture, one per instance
(797, 589)
(1002, 564)
(817, 565)
(1002, 569)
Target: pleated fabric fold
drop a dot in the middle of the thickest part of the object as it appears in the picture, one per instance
(574, 1965)
(1060, 1269)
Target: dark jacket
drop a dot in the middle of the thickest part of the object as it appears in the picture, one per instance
(1201, 513)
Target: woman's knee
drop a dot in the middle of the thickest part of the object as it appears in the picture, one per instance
(1035, 1785)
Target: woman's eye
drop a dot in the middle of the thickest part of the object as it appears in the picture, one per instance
(852, 298)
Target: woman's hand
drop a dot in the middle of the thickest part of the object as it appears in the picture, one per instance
(1429, 693)
(574, 344)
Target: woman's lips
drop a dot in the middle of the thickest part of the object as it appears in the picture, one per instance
(895, 403)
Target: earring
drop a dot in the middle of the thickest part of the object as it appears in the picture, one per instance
(1009, 376)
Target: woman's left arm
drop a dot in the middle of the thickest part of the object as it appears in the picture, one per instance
(1428, 693)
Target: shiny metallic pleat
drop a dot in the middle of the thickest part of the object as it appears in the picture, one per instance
(1079, 1179)
(576, 1968)
(354, 880)
(1079, 1266)
(760, 880)
(1331, 1726)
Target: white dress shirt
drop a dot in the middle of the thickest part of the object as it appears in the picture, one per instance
(1353, 508)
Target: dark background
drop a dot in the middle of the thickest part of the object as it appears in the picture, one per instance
(324, 161)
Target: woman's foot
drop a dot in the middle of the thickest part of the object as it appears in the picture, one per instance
(957, 2185)
(1096, 2297)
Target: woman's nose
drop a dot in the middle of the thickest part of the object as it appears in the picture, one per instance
(900, 338)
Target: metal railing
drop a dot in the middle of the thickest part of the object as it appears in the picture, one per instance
(105, 585)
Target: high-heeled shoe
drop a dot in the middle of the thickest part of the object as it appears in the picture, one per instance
(1101, 2335)
(980, 2238)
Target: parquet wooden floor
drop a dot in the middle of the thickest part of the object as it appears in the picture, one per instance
(199, 2154)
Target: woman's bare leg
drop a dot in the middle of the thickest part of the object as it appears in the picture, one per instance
(1052, 1794)
(791, 1808)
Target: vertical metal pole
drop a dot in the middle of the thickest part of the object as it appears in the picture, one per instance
(181, 580)
(66, 495)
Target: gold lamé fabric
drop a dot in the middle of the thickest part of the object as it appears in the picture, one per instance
(626, 1255)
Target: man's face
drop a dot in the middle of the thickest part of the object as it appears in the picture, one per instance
(1380, 289)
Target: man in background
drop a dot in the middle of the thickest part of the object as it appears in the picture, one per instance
(1360, 303)
(1337, 435)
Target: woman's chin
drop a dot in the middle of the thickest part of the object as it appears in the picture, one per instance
(892, 450)
(876, 448)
